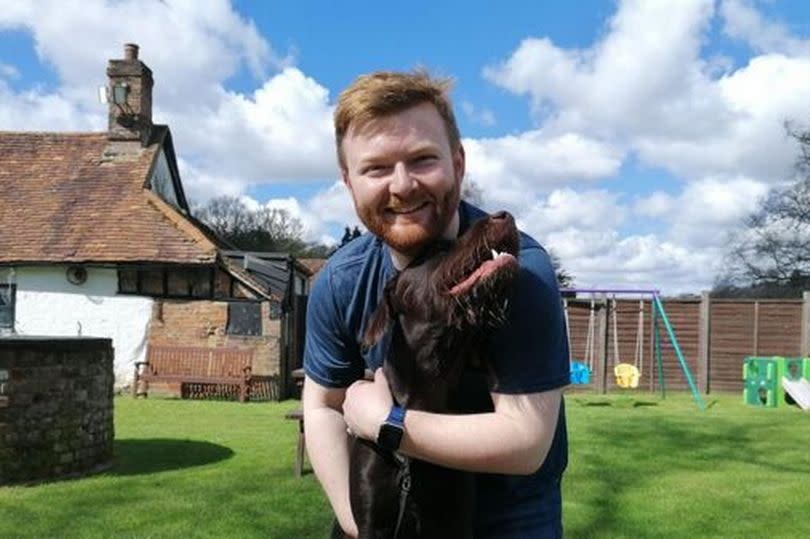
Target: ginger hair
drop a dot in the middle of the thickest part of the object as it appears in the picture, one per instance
(384, 93)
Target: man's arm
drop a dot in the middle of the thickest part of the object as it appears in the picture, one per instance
(514, 439)
(328, 447)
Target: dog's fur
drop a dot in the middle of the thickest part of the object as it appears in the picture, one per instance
(438, 328)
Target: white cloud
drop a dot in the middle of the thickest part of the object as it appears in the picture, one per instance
(566, 209)
(8, 71)
(742, 21)
(200, 185)
(191, 45)
(279, 132)
(705, 212)
(34, 110)
(645, 86)
(513, 169)
(644, 75)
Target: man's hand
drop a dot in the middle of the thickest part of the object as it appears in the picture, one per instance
(367, 405)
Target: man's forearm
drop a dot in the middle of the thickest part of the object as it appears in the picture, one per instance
(514, 439)
(328, 449)
(499, 442)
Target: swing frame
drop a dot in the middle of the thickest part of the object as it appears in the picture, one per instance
(658, 313)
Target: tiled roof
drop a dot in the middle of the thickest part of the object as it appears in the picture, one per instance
(78, 197)
(313, 265)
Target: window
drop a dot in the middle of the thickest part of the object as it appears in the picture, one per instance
(161, 181)
(8, 294)
(172, 282)
(244, 318)
(189, 282)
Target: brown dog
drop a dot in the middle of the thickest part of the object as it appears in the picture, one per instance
(439, 310)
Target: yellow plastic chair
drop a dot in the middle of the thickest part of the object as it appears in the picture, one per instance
(627, 375)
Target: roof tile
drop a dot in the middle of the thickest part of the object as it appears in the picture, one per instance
(77, 197)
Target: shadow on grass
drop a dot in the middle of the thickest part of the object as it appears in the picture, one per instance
(672, 445)
(622, 403)
(145, 456)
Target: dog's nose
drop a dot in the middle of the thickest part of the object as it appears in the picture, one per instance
(500, 216)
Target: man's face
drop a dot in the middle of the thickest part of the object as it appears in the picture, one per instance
(404, 177)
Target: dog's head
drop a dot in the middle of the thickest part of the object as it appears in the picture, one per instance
(452, 286)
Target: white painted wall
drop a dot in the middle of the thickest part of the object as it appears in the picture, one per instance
(47, 304)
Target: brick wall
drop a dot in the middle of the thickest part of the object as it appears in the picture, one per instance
(56, 407)
(204, 323)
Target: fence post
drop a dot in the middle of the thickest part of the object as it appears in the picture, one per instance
(601, 349)
(805, 344)
(704, 342)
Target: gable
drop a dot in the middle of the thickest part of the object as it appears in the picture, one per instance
(161, 181)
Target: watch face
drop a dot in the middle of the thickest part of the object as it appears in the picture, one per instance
(390, 436)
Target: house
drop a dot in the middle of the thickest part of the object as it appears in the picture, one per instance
(97, 239)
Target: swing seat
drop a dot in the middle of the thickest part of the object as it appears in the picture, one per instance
(580, 373)
(627, 375)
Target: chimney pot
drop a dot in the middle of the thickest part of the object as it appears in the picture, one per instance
(130, 51)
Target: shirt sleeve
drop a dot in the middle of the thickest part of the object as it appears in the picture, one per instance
(529, 353)
(329, 355)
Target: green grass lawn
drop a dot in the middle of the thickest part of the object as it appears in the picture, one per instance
(639, 468)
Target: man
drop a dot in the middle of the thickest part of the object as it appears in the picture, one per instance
(401, 157)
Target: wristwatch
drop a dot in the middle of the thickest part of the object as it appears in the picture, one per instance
(390, 435)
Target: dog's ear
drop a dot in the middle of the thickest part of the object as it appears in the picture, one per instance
(379, 321)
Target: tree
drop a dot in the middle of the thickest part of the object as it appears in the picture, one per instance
(264, 229)
(771, 255)
(564, 278)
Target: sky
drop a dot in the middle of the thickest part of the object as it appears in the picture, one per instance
(631, 138)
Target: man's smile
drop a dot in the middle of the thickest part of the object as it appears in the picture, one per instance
(405, 210)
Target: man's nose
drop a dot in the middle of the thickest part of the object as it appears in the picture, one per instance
(401, 182)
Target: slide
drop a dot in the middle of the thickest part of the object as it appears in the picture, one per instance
(799, 390)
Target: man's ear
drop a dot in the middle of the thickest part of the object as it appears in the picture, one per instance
(344, 175)
(459, 163)
(381, 319)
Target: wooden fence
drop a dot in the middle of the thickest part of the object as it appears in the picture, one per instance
(715, 336)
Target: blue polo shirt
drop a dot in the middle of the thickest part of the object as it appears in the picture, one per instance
(528, 354)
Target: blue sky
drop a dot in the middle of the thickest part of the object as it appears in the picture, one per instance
(630, 137)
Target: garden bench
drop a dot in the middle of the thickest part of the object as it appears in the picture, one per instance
(198, 370)
(298, 415)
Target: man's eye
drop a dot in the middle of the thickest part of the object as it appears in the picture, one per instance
(373, 170)
(425, 160)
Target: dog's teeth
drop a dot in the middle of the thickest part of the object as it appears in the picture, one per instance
(495, 254)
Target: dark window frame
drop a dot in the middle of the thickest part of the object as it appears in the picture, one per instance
(12, 305)
(139, 288)
(234, 328)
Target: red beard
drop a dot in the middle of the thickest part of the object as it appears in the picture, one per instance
(410, 237)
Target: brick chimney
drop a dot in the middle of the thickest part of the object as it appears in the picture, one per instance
(129, 91)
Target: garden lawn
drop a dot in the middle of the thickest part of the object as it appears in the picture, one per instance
(639, 468)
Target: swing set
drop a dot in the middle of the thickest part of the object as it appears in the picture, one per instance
(626, 375)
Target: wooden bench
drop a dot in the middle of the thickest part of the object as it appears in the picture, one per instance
(208, 370)
(301, 447)
(298, 415)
